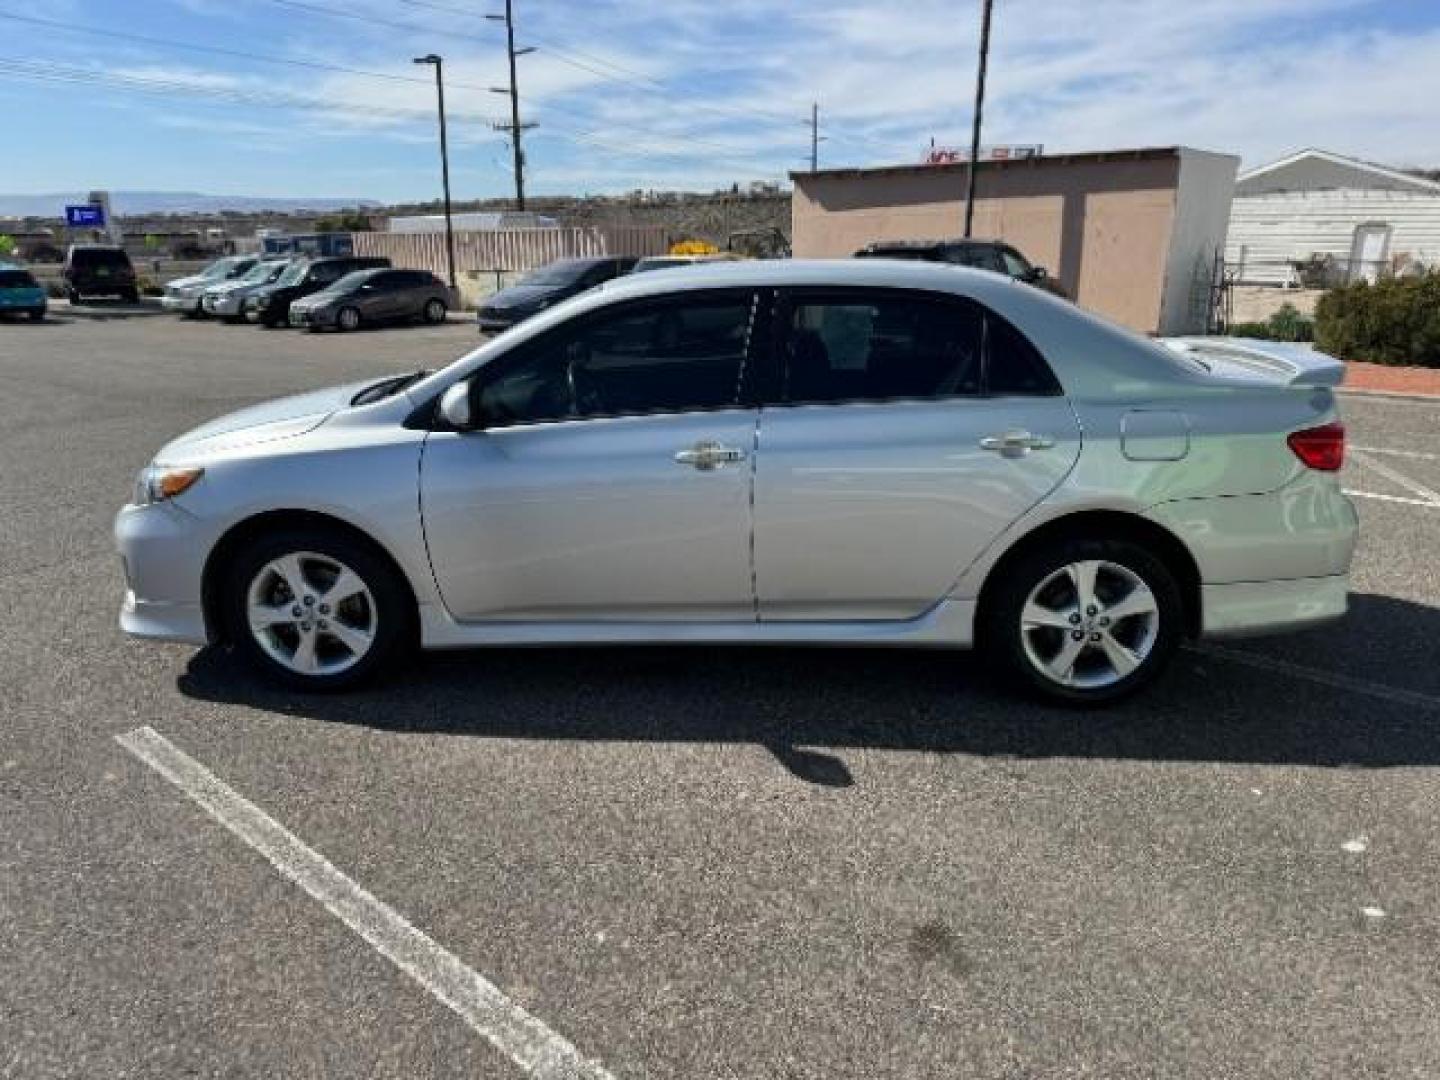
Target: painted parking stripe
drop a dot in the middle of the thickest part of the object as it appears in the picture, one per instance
(1395, 476)
(537, 1050)
(1419, 455)
(1392, 694)
(1404, 500)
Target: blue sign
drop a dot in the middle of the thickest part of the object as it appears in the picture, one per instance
(89, 216)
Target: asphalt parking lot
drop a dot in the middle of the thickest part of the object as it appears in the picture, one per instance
(689, 862)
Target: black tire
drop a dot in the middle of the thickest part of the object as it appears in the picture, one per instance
(73, 295)
(37, 315)
(132, 296)
(393, 610)
(347, 318)
(1003, 639)
(435, 312)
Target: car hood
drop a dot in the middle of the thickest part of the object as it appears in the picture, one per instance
(192, 282)
(280, 419)
(318, 299)
(519, 297)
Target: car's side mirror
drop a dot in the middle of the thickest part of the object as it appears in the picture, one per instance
(1037, 273)
(456, 409)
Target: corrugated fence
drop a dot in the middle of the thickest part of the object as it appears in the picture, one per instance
(509, 250)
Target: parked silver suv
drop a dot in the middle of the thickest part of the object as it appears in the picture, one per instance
(860, 452)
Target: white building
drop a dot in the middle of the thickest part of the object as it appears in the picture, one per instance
(473, 221)
(1365, 217)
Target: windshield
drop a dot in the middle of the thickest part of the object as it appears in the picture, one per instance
(219, 268)
(16, 279)
(565, 272)
(262, 272)
(294, 273)
(350, 282)
(660, 263)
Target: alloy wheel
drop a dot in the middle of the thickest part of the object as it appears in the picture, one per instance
(311, 613)
(1090, 624)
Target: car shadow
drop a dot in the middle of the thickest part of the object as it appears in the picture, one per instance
(801, 703)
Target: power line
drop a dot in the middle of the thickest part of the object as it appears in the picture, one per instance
(514, 127)
(215, 50)
(49, 71)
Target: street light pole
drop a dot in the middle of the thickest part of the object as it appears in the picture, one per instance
(979, 105)
(439, 65)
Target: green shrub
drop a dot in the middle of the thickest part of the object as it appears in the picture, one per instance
(1395, 321)
(1286, 324)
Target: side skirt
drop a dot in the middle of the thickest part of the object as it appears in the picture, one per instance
(949, 624)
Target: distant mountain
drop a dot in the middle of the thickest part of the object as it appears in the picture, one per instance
(175, 202)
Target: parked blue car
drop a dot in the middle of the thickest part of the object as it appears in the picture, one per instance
(20, 293)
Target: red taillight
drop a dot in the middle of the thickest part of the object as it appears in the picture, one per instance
(1321, 448)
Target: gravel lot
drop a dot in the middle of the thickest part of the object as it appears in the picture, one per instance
(698, 862)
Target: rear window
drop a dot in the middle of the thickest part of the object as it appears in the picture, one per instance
(99, 257)
(16, 279)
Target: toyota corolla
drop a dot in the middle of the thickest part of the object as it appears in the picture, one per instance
(844, 453)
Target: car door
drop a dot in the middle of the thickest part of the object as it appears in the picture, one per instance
(904, 432)
(380, 295)
(612, 477)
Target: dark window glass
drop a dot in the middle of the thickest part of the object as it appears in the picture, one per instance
(1015, 266)
(675, 357)
(16, 279)
(324, 273)
(880, 349)
(1014, 365)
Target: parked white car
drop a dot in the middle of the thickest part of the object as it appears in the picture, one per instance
(861, 452)
(227, 299)
(183, 295)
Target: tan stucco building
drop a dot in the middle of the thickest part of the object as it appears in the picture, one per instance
(1131, 234)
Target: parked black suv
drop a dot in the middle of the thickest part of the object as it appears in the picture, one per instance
(993, 255)
(270, 305)
(99, 270)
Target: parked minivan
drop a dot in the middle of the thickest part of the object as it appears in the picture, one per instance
(270, 306)
(99, 270)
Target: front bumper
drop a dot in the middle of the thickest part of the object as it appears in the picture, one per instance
(162, 555)
(186, 305)
(311, 317)
(221, 305)
(492, 322)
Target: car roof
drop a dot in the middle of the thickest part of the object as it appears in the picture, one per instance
(924, 245)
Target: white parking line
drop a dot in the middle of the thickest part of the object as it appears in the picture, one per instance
(1418, 454)
(1393, 498)
(1395, 476)
(538, 1051)
(1324, 678)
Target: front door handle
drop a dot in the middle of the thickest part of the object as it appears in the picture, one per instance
(1016, 443)
(707, 454)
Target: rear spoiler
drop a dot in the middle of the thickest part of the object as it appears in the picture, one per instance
(1290, 363)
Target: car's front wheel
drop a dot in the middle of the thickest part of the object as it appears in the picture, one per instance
(1084, 621)
(434, 312)
(315, 610)
(347, 318)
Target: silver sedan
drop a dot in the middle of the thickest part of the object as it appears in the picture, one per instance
(856, 453)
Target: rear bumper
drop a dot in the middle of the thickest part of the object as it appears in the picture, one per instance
(1254, 608)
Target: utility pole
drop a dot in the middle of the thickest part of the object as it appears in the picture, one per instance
(439, 65)
(815, 137)
(979, 105)
(514, 127)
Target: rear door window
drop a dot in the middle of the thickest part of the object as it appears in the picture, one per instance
(879, 345)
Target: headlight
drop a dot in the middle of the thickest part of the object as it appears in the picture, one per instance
(160, 482)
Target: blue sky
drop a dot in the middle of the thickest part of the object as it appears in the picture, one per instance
(683, 93)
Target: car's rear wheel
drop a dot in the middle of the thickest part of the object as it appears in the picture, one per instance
(38, 315)
(73, 295)
(435, 312)
(315, 609)
(1084, 621)
(347, 318)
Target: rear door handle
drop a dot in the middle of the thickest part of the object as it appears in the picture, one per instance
(707, 454)
(1016, 443)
